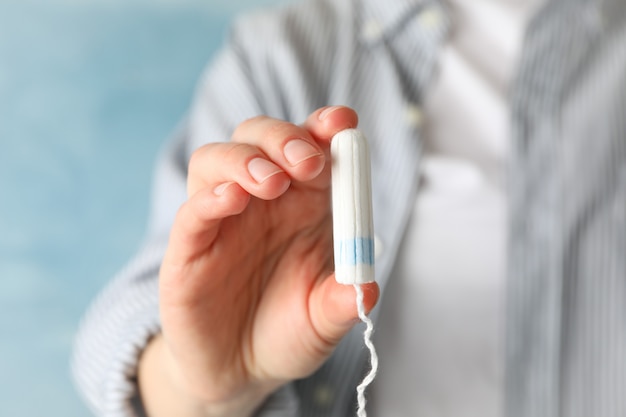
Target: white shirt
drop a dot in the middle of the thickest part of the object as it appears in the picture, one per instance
(439, 341)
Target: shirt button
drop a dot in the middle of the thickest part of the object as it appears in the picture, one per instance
(431, 18)
(414, 116)
(323, 396)
(371, 31)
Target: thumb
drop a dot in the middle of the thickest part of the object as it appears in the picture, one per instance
(333, 308)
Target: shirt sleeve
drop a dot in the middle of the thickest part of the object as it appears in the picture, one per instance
(125, 315)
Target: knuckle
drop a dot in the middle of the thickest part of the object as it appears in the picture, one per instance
(266, 130)
(248, 125)
(213, 153)
(196, 212)
(199, 155)
(235, 152)
(202, 207)
(277, 132)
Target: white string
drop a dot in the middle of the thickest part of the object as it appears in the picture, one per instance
(367, 337)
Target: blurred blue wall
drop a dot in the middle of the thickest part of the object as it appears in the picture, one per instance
(89, 90)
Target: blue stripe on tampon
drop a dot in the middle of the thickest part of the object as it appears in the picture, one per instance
(355, 251)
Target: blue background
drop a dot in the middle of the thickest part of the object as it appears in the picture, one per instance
(89, 91)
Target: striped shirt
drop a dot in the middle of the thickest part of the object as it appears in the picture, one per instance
(566, 285)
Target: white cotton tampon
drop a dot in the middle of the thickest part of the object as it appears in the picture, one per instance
(353, 230)
(353, 225)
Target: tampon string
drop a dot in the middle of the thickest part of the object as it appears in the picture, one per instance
(353, 231)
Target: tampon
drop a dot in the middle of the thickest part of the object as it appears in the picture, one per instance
(353, 225)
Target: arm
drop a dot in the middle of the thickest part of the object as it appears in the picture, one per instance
(126, 315)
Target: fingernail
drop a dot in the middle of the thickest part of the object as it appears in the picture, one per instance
(220, 189)
(297, 151)
(262, 169)
(324, 114)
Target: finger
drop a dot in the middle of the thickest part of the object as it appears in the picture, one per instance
(289, 146)
(300, 150)
(325, 122)
(214, 165)
(334, 310)
(197, 222)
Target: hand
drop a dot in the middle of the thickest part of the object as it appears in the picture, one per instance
(248, 297)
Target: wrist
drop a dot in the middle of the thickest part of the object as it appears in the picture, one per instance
(242, 405)
(163, 391)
